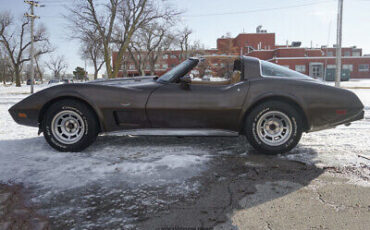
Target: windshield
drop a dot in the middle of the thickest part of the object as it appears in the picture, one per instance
(269, 69)
(179, 71)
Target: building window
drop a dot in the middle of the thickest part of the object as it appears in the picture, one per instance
(165, 66)
(330, 53)
(356, 53)
(300, 68)
(331, 66)
(287, 66)
(363, 68)
(132, 67)
(157, 66)
(347, 53)
(173, 56)
(147, 67)
(165, 56)
(348, 66)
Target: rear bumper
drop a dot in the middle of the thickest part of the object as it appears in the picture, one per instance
(357, 116)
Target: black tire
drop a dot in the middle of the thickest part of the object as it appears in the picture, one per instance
(256, 117)
(87, 120)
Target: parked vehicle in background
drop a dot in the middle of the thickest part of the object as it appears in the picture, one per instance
(213, 96)
(28, 82)
(53, 81)
(66, 81)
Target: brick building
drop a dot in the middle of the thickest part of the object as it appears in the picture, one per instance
(310, 61)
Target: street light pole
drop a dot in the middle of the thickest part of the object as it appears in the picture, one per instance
(339, 44)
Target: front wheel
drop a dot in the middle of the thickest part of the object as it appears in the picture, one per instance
(70, 126)
(274, 127)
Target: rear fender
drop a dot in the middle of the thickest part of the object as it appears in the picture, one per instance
(254, 100)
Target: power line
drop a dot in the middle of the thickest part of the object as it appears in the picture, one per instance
(259, 10)
(244, 12)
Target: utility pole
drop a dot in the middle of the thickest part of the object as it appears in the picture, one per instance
(339, 44)
(32, 16)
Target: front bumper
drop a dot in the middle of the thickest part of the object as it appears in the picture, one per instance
(30, 118)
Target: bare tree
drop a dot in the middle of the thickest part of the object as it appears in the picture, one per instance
(57, 65)
(187, 47)
(92, 50)
(148, 45)
(158, 39)
(138, 55)
(16, 42)
(183, 43)
(4, 67)
(39, 70)
(115, 23)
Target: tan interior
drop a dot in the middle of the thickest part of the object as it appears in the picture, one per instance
(236, 77)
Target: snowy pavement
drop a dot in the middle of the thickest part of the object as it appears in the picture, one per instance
(123, 181)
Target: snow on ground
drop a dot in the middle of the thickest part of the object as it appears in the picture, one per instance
(353, 83)
(113, 169)
(38, 164)
(139, 170)
(26, 152)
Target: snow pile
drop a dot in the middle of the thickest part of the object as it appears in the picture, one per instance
(33, 162)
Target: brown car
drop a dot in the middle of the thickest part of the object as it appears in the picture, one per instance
(213, 96)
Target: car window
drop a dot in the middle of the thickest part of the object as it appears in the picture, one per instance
(216, 71)
(269, 69)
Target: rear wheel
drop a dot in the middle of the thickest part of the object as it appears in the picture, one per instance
(70, 126)
(274, 127)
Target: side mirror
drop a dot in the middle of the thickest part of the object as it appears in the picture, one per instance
(185, 79)
(185, 82)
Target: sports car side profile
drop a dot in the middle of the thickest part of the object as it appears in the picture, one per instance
(214, 96)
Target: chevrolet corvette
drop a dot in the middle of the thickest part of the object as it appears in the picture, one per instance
(209, 96)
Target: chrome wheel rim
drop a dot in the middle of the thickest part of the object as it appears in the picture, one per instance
(68, 127)
(274, 128)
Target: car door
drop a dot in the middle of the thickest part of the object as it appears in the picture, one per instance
(197, 106)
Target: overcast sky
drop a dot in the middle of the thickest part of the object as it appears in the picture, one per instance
(293, 20)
